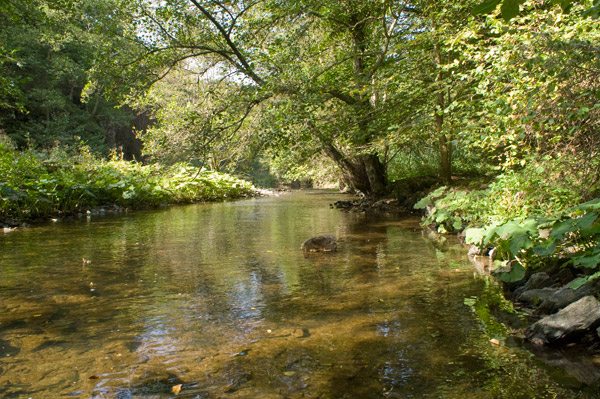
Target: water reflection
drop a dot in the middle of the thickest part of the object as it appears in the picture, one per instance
(220, 299)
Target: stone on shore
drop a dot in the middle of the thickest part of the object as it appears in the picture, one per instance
(536, 281)
(572, 321)
(565, 296)
(536, 296)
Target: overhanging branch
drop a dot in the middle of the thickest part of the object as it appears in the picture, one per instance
(243, 65)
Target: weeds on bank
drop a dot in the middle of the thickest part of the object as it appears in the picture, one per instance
(42, 184)
(531, 217)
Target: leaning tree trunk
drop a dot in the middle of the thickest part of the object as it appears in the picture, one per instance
(365, 173)
(375, 171)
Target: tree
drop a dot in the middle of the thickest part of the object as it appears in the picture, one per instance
(328, 58)
(48, 49)
(511, 8)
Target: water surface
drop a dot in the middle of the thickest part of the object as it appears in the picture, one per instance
(219, 301)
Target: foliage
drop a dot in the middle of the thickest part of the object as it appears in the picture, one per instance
(42, 184)
(543, 188)
(316, 170)
(573, 236)
(203, 122)
(535, 81)
(47, 50)
(527, 217)
(511, 8)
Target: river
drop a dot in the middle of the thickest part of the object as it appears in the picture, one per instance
(218, 301)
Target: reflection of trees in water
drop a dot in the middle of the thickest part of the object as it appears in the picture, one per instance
(185, 289)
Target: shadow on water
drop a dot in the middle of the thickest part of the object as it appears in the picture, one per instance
(217, 300)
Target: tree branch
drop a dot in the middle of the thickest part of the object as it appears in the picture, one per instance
(347, 98)
(243, 65)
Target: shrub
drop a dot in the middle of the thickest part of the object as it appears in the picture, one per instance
(573, 238)
(36, 185)
(543, 188)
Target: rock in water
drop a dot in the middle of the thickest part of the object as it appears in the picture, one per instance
(320, 244)
(573, 320)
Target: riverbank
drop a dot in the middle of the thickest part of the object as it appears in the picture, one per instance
(39, 186)
(544, 251)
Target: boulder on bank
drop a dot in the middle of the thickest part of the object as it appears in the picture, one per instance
(574, 320)
(541, 292)
(369, 206)
(536, 281)
(325, 243)
(536, 296)
(410, 190)
(565, 296)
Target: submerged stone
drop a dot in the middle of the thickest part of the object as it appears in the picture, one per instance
(237, 381)
(571, 321)
(326, 243)
(6, 349)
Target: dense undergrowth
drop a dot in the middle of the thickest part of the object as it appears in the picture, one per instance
(41, 184)
(529, 216)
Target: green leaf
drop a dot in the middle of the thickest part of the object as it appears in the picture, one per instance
(594, 11)
(474, 236)
(586, 221)
(486, 7)
(561, 228)
(423, 203)
(507, 229)
(442, 216)
(573, 224)
(589, 261)
(510, 9)
(457, 225)
(565, 4)
(518, 242)
(578, 282)
(517, 273)
(470, 301)
(546, 248)
(512, 228)
(591, 231)
(589, 206)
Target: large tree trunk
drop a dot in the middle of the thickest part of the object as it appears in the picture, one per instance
(376, 174)
(365, 174)
(445, 159)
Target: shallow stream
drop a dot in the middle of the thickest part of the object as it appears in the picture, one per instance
(218, 301)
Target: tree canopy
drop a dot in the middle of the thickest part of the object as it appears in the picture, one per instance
(379, 88)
